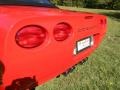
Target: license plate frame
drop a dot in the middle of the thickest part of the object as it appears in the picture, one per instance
(83, 44)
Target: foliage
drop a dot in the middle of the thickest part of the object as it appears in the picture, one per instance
(117, 5)
(103, 4)
(90, 3)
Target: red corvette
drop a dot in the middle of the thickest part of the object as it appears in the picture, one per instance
(39, 41)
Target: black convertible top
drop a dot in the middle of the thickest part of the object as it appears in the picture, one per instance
(45, 3)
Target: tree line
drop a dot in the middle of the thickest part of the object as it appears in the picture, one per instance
(103, 4)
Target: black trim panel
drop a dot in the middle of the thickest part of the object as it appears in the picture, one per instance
(27, 3)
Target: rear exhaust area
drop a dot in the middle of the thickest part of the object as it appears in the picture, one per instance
(2, 70)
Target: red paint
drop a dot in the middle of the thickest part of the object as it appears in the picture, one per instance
(52, 57)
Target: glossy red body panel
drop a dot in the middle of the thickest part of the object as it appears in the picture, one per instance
(52, 57)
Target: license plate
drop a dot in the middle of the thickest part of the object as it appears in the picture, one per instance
(84, 44)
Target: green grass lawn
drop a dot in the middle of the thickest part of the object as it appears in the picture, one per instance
(102, 70)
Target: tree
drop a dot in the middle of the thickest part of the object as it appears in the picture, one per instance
(61, 2)
(90, 3)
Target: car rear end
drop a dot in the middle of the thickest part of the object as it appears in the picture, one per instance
(44, 42)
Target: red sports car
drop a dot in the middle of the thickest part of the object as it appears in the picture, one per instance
(39, 41)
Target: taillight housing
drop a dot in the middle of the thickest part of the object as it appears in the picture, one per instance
(62, 31)
(31, 36)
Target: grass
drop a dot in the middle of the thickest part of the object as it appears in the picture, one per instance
(102, 70)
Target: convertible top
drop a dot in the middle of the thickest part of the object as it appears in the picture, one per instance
(45, 3)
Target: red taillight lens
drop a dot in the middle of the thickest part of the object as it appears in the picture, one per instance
(62, 31)
(30, 36)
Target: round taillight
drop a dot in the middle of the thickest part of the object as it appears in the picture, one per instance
(30, 36)
(62, 31)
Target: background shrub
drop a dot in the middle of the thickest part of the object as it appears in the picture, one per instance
(101, 4)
